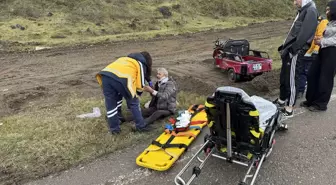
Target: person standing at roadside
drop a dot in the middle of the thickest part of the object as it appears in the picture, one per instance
(293, 50)
(322, 72)
(310, 56)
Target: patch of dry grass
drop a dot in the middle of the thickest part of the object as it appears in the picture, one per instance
(44, 141)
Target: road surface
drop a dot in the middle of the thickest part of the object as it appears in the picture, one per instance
(305, 154)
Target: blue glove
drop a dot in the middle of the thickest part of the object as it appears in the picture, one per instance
(150, 84)
(169, 127)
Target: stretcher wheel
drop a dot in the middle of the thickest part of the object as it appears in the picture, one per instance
(196, 171)
(283, 126)
(233, 77)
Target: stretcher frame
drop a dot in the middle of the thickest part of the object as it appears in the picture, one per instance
(229, 156)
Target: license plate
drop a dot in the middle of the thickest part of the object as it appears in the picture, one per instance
(257, 67)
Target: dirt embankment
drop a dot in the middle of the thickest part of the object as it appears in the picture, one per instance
(42, 78)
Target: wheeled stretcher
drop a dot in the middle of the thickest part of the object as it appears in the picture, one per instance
(242, 131)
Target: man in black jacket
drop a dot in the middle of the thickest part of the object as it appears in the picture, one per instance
(293, 49)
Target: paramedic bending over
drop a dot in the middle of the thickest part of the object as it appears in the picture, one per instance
(125, 78)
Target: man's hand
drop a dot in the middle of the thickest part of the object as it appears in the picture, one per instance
(148, 89)
(317, 40)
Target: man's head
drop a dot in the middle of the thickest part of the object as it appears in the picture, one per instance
(331, 10)
(161, 73)
(301, 3)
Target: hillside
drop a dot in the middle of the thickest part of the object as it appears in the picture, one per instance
(32, 23)
(42, 93)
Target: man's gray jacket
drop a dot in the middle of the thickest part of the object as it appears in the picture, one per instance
(165, 98)
(302, 32)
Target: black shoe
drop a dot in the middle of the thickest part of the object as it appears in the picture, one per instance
(316, 109)
(287, 114)
(147, 128)
(305, 104)
(278, 104)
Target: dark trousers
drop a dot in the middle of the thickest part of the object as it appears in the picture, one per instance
(305, 63)
(113, 93)
(152, 114)
(289, 78)
(321, 78)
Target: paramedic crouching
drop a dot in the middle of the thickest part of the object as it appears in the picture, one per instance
(163, 103)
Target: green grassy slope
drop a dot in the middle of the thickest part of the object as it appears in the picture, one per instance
(68, 22)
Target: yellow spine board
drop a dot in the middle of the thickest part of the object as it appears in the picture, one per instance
(159, 159)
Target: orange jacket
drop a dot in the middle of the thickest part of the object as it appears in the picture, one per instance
(314, 49)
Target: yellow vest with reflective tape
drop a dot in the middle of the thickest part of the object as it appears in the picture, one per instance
(125, 68)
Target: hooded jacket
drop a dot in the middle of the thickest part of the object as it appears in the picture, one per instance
(130, 71)
(302, 31)
(165, 99)
(314, 48)
(329, 36)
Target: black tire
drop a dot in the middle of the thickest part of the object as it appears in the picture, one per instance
(233, 77)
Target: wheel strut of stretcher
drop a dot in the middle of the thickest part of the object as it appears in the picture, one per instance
(210, 149)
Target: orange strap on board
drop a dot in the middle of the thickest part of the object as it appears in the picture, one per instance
(180, 133)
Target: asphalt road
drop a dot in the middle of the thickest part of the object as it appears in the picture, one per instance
(305, 154)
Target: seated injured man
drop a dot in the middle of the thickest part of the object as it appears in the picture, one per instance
(163, 102)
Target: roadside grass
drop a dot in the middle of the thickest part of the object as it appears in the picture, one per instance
(44, 141)
(56, 23)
